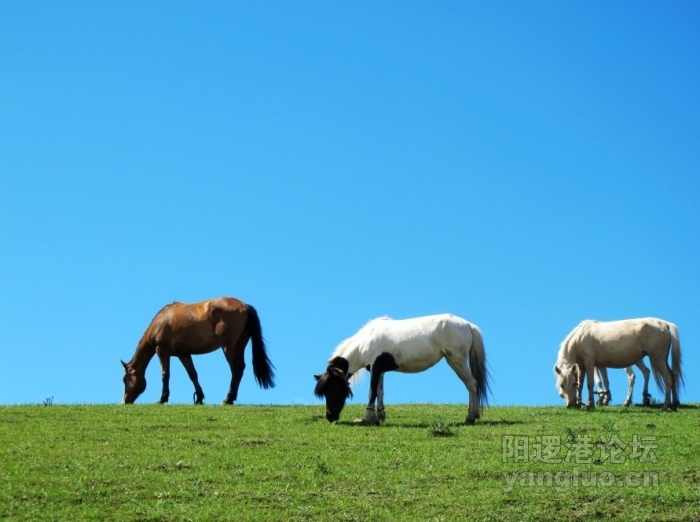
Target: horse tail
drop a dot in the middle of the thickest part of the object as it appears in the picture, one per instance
(659, 379)
(477, 365)
(676, 358)
(263, 369)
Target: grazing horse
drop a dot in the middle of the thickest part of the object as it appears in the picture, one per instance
(603, 385)
(183, 330)
(618, 344)
(409, 346)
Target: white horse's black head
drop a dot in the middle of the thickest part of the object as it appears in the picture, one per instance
(567, 382)
(334, 385)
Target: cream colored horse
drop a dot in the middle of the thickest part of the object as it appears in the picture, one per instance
(619, 344)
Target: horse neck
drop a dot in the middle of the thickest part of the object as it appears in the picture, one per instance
(143, 355)
(567, 351)
(349, 350)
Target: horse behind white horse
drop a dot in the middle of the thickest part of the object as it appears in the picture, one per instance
(603, 385)
(618, 344)
(410, 346)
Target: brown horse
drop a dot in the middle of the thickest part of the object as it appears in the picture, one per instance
(184, 330)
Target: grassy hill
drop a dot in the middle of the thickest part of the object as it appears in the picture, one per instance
(150, 462)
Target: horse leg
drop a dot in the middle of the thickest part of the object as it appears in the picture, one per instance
(646, 398)
(599, 384)
(607, 396)
(588, 375)
(381, 414)
(459, 366)
(630, 389)
(579, 386)
(164, 357)
(186, 360)
(383, 363)
(603, 384)
(237, 364)
(371, 417)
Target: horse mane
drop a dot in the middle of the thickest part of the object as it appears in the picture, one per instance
(574, 336)
(345, 344)
(356, 378)
(143, 341)
(341, 349)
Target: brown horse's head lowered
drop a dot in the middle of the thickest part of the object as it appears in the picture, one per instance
(183, 330)
(134, 384)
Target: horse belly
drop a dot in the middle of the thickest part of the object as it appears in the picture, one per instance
(194, 340)
(414, 361)
(620, 353)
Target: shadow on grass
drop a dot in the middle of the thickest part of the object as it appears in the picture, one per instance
(640, 408)
(503, 422)
(660, 405)
(424, 425)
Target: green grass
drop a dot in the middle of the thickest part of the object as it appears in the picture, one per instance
(149, 462)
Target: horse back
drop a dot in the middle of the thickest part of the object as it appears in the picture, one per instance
(198, 324)
(618, 344)
(419, 342)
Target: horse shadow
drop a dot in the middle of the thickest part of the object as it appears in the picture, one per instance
(660, 405)
(426, 425)
(650, 408)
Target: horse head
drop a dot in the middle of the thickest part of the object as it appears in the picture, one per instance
(134, 383)
(334, 385)
(567, 382)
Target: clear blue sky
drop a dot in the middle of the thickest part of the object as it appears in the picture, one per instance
(522, 165)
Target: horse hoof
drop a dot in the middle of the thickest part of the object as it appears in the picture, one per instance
(626, 404)
(470, 421)
(366, 422)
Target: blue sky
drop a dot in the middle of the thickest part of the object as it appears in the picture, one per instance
(522, 165)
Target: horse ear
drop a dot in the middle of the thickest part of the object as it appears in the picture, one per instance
(317, 377)
(125, 365)
(557, 370)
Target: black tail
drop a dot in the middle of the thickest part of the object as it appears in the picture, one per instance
(262, 367)
(477, 365)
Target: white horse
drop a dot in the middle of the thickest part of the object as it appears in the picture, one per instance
(603, 385)
(618, 344)
(410, 346)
